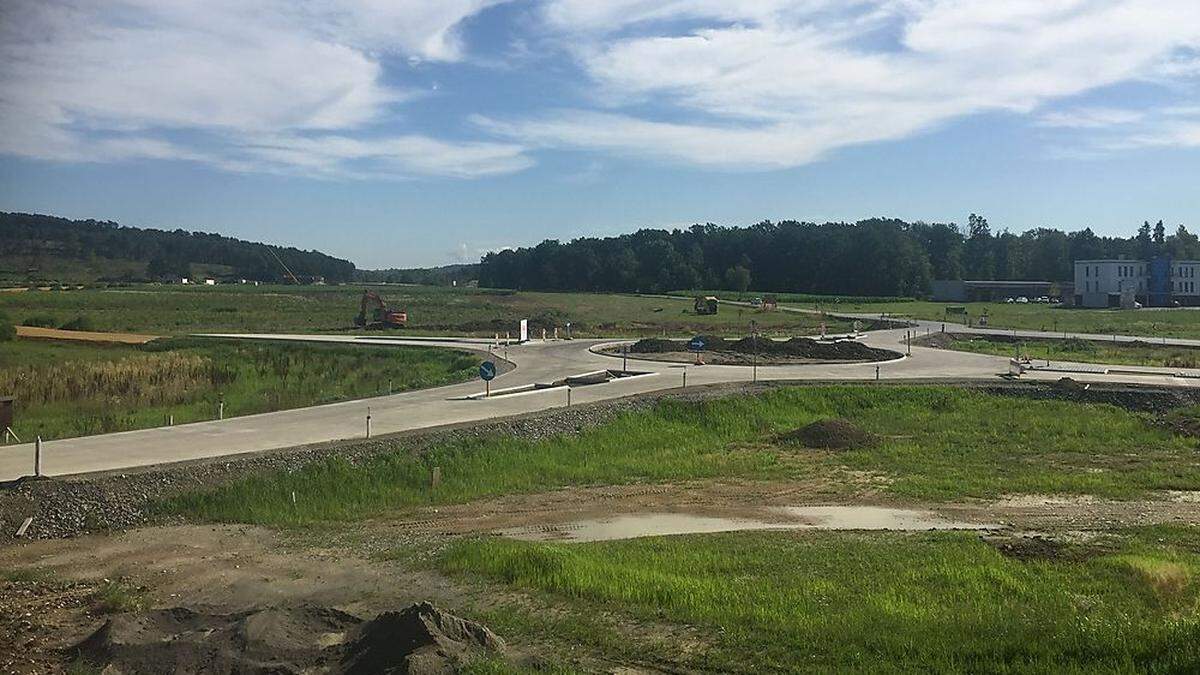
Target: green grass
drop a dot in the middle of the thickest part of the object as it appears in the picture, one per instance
(1087, 351)
(747, 296)
(173, 310)
(939, 444)
(72, 389)
(117, 596)
(835, 602)
(1151, 323)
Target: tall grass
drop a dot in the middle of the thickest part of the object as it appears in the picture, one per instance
(939, 443)
(72, 390)
(834, 602)
(1088, 351)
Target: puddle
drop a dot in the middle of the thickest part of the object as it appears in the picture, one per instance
(631, 526)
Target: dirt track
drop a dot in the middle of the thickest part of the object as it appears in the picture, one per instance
(83, 335)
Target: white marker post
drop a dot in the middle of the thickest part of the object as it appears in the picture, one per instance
(37, 457)
(368, 421)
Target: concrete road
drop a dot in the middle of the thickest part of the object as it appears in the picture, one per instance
(536, 362)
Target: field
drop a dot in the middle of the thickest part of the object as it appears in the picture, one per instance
(939, 444)
(862, 603)
(1103, 577)
(1085, 351)
(174, 310)
(1117, 600)
(76, 389)
(1150, 323)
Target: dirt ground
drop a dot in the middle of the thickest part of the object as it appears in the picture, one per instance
(83, 335)
(361, 570)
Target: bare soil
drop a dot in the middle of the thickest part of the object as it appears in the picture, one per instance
(83, 335)
(374, 567)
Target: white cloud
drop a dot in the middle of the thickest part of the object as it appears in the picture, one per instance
(317, 86)
(1109, 130)
(1090, 118)
(270, 85)
(771, 84)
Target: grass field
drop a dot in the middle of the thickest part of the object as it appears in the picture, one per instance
(938, 444)
(836, 602)
(1085, 351)
(173, 310)
(73, 389)
(1180, 323)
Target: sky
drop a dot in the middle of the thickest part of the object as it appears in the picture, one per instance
(413, 133)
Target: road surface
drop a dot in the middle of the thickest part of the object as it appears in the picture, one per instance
(536, 362)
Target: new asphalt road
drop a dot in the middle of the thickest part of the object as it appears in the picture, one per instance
(536, 363)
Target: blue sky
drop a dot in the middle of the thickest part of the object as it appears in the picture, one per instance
(408, 133)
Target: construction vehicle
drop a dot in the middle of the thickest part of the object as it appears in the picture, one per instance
(374, 313)
(705, 305)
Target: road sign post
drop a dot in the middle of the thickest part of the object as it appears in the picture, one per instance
(487, 372)
(696, 344)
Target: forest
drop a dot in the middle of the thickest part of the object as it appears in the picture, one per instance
(35, 240)
(878, 257)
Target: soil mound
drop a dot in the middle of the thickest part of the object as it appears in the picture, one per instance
(834, 434)
(799, 347)
(419, 639)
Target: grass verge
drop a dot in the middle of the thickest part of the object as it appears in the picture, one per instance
(1086, 351)
(936, 443)
(836, 602)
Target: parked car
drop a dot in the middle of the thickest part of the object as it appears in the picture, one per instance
(1009, 300)
(1022, 300)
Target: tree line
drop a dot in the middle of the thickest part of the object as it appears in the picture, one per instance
(875, 257)
(167, 254)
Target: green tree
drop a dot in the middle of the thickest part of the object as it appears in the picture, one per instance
(737, 278)
(980, 257)
(8, 331)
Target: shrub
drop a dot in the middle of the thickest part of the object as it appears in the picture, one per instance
(80, 322)
(7, 330)
(40, 321)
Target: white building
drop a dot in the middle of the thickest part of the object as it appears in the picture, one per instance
(1154, 283)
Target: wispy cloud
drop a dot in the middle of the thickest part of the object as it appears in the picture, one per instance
(319, 87)
(274, 85)
(776, 84)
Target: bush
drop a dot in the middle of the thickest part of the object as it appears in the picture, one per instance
(7, 330)
(40, 321)
(80, 322)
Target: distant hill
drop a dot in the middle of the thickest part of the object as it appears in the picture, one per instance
(430, 276)
(38, 248)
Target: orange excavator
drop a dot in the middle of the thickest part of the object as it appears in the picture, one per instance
(373, 313)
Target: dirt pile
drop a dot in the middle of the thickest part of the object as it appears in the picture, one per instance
(419, 639)
(797, 347)
(833, 434)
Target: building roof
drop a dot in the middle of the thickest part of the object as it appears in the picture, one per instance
(1001, 282)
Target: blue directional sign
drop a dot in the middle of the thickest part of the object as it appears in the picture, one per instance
(487, 370)
(696, 344)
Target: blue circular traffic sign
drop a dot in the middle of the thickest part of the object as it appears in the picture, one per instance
(487, 370)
